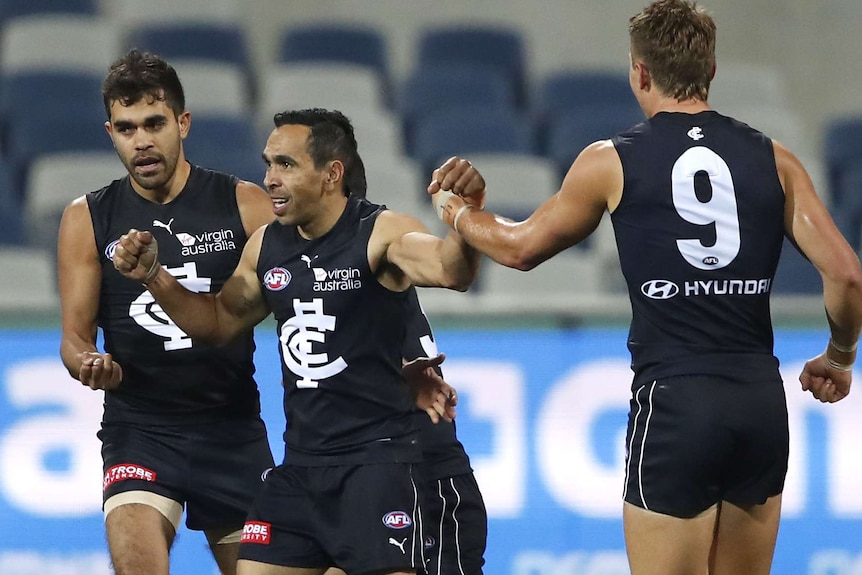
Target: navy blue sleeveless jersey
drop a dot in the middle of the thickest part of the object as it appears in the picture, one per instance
(340, 335)
(168, 377)
(442, 454)
(699, 231)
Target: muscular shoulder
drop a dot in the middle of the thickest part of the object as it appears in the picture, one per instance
(392, 225)
(596, 175)
(389, 228)
(255, 207)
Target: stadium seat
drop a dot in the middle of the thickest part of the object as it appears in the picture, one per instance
(55, 93)
(16, 8)
(848, 217)
(437, 87)
(490, 46)
(795, 274)
(739, 84)
(54, 180)
(349, 88)
(11, 213)
(571, 131)
(58, 42)
(226, 143)
(377, 133)
(32, 136)
(466, 130)
(842, 147)
(131, 13)
(569, 273)
(205, 41)
(214, 88)
(336, 43)
(564, 90)
(28, 282)
(517, 183)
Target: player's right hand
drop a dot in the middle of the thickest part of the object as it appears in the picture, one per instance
(136, 256)
(99, 371)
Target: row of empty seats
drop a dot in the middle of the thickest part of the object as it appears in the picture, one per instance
(478, 102)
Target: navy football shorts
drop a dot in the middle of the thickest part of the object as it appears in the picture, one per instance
(360, 518)
(455, 525)
(213, 469)
(694, 441)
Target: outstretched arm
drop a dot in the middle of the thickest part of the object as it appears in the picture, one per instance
(809, 226)
(215, 318)
(402, 252)
(589, 188)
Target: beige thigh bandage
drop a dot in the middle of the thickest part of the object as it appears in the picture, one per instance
(171, 509)
(223, 536)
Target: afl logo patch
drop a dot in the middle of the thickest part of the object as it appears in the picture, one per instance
(112, 247)
(397, 520)
(659, 289)
(276, 279)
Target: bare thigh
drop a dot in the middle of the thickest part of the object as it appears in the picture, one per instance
(659, 544)
(745, 538)
(139, 538)
(247, 567)
(254, 568)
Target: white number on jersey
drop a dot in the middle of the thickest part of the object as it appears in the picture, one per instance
(719, 210)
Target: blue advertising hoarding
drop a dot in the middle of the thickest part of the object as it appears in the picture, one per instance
(542, 415)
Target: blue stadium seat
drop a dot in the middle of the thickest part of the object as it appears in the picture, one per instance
(14, 8)
(571, 131)
(576, 88)
(795, 274)
(34, 136)
(46, 112)
(208, 41)
(437, 87)
(848, 216)
(842, 147)
(229, 144)
(340, 43)
(490, 46)
(11, 209)
(471, 129)
(41, 93)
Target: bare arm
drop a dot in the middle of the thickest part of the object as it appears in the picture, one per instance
(409, 254)
(79, 276)
(811, 228)
(592, 185)
(215, 318)
(255, 207)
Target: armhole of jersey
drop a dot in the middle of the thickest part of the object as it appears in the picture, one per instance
(98, 231)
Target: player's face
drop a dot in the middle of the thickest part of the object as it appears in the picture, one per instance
(294, 184)
(148, 138)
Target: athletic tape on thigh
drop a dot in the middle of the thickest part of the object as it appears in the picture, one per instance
(171, 509)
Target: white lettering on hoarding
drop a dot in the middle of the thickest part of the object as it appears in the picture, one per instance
(66, 422)
(493, 391)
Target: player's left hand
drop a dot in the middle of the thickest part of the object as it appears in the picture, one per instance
(825, 383)
(460, 177)
(431, 393)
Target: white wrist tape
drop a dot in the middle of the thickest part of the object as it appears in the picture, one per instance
(152, 272)
(441, 198)
(458, 215)
(839, 366)
(843, 348)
